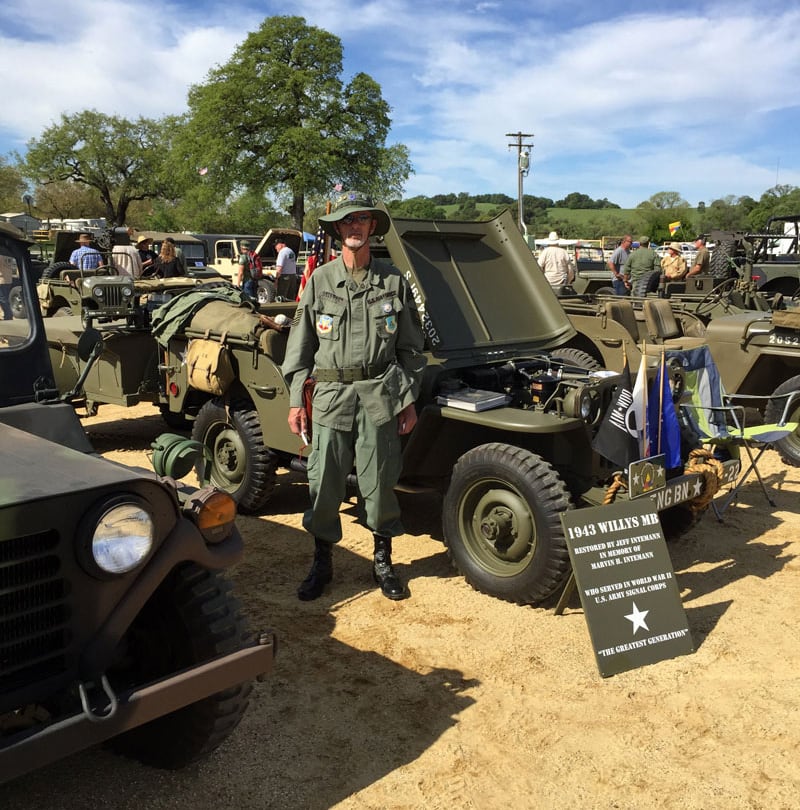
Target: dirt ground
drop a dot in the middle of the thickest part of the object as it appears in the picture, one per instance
(452, 699)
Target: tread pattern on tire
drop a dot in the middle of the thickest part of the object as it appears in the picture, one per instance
(213, 623)
(552, 563)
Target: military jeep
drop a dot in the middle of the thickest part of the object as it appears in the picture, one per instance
(116, 623)
(757, 352)
(100, 294)
(491, 322)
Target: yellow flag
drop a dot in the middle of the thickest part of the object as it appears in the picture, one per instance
(673, 227)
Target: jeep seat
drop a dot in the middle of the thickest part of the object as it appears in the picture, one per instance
(622, 312)
(663, 327)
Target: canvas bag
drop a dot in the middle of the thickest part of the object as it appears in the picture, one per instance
(208, 366)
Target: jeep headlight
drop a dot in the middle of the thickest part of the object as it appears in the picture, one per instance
(127, 292)
(98, 292)
(122, 538)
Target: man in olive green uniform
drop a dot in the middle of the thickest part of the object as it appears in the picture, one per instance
(357, 332)
(642, 260)
(702, 259)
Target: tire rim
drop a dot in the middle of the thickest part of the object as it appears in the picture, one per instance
(229, 454)
(498, 527)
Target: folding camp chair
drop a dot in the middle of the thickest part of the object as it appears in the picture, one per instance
(719, 422)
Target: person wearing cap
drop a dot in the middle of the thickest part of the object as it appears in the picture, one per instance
(146, 254)
(249, 270)
(617, 262)
(673, 265)
(555, 264)
(85, 257)
(642, 260)
(702, 259)
(286, 269)
(358, 333)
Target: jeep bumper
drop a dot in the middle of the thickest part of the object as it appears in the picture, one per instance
(35, 747)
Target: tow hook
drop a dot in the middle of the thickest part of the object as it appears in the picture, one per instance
(98, 715)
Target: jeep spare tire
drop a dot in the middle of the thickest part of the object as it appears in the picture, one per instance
(54, 270)
(238, 462)
(501, 523)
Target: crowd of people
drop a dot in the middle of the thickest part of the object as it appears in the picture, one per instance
(630, 262)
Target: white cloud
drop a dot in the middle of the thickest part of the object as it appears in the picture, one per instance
(699, 100)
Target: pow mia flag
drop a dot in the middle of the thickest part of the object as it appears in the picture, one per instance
(616, 438)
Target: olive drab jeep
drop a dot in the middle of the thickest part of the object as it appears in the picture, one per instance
(491, 322)
(116, 623)
(757, 352)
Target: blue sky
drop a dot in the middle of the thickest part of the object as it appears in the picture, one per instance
(623, 99)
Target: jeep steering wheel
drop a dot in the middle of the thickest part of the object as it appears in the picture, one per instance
(715, 296)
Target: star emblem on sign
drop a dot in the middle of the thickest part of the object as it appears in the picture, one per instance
(637, 618)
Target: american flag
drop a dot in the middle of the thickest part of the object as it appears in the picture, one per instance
(318, 248)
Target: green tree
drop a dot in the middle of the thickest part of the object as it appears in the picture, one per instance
(277, 116)
(64, 199)
(12, 187)
(121, 160)
(780, 200)
(417, 208)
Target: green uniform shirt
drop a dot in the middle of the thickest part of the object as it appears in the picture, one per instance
(372, 325)
(641, 261)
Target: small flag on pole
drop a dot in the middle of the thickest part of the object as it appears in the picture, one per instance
(673, 228)
(639, 406)
(616, 438)
(662, 421)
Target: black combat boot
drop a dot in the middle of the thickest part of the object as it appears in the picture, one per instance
(383, 572)
(321, 572)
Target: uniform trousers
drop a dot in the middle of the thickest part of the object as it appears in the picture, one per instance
(377, 455)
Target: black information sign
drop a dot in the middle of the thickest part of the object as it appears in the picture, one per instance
(627, 585)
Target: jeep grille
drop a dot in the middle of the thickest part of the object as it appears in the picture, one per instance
(112, 298)
(34, 614)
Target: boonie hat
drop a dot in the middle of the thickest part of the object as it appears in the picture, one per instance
(143, 238)
(351, 203)
(676, 246)
(552, 238)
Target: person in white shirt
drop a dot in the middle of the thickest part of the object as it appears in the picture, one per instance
(286, 278)
(555, 263)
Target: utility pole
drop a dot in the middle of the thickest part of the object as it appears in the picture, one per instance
(523, 167)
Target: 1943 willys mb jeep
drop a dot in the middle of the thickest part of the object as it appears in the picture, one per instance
(116, 623)
(491, 322)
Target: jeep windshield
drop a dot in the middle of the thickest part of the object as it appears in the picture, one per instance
(24, 362)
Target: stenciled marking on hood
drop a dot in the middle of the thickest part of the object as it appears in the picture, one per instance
(428, 327)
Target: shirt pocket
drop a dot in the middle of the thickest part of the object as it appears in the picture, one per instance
(386, 317)
(328, 318)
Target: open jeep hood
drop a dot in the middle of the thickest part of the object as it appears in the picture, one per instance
(477, 286)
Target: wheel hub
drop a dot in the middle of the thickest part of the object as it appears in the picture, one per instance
(503, 522)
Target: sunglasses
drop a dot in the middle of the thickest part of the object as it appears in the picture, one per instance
(362, 219)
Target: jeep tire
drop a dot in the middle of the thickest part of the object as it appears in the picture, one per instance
(192, 618)
(54, 270)
(242, 466)
(16, 301)
(501, 523)
(576, 357)
(788, 448)
(646, 283)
